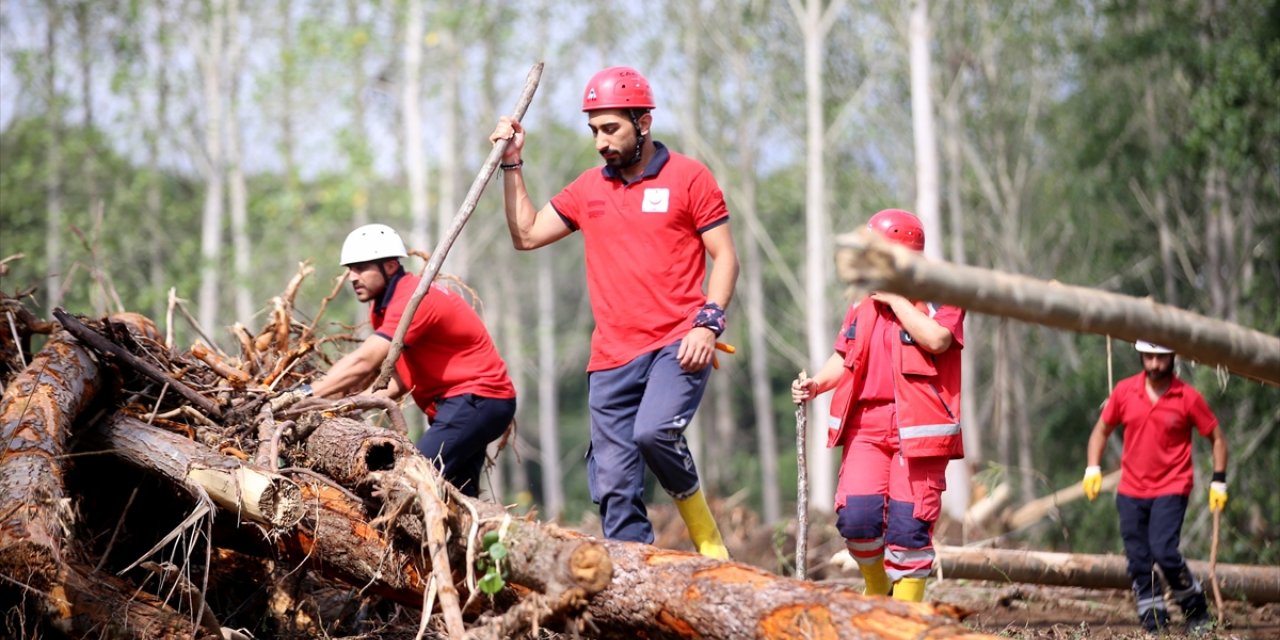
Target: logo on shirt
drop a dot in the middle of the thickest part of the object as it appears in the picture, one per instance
(656, 200)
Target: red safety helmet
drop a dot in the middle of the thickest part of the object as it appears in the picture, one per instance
(617, 88)
(902, 227)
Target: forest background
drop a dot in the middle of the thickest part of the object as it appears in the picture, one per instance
(1130, 146)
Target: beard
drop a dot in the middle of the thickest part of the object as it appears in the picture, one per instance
(618, 159)
(1160, 372)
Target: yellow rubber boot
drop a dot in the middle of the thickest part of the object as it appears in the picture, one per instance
(909, 590)
(877, 581)
(702, 527)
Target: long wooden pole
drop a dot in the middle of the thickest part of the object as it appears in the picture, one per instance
(1213, 568)
(459, 220)
(865, 259)
(802, 486)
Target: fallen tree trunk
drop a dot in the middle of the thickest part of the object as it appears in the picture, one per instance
(865, 259)
(251, 493)
(680, 595)
(992, 516)
(1253, 583)
(36, 414)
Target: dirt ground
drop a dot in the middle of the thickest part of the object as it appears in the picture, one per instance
(1031, 611)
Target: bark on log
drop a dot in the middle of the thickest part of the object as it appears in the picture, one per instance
(679, 595)
(336, 538)
(99, 605)
(252, 493)
(36, 414)
(864, 259)
(1253, 583)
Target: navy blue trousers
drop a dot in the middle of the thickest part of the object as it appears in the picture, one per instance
(639, 412)
(463, 427)
(1152, 530)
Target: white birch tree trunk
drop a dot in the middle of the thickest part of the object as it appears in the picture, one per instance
(154, 212)
(955, 501)
(415, 157)
(236, 189)
(815, 22)
(548, 390)
(53, 164)
(451, 156)
(211, 59)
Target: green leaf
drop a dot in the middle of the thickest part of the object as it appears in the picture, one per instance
(497, 551)
(491, 583)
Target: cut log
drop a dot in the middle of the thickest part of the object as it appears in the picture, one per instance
(251, 493)
(1256, 584)
(1253, 583)
(865, 259)
(681, 595)
(983, 514)
(1040, 508)
(37, 411)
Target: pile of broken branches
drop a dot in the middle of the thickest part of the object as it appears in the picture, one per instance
(149, 492)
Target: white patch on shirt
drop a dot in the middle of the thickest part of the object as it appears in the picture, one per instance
(656, 200)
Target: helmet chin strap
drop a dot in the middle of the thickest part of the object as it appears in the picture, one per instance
(640, 137)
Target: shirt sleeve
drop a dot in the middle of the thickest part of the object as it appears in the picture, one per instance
(1200, 413)
(1113, 411)
(708, 204)
(568, 203)
(844, 337)
(952, 319)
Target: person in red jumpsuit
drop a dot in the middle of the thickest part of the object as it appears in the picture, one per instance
(896, 414)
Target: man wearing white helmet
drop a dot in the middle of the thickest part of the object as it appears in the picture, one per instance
(1158, 411)
(449, 363)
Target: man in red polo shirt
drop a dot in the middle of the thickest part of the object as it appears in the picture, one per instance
(896, 413)
(649, 218)
(449, 363)
(1158, 411)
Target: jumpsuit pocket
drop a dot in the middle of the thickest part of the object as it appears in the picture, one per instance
(928, 490)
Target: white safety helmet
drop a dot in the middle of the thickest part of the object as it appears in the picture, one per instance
(372, 242)
(1142, 346)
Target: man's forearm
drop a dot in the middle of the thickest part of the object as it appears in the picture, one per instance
(720, 285)
(520, 210)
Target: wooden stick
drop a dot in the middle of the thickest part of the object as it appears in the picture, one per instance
(802, 485)
(1213, 568)
(459, 220)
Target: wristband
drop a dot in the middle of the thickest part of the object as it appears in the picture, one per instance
(1092, 470)
(1220, 476)
(304, 389)
(711, 316)
(509, 166)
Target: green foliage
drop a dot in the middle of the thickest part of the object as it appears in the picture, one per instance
(489, 562)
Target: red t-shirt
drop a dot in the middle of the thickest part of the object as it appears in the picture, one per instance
(879, 382)
(1157, 438)
(447, 350)
(645, 258)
